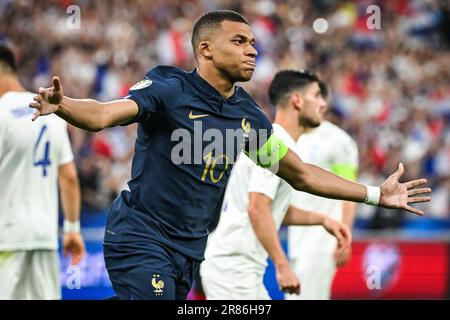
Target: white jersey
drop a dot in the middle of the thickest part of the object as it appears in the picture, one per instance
(30, 154)
(234, 237)
(332, 149)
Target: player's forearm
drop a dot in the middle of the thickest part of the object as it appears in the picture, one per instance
(86, 114)
(297, 216)
(70, 196)
(323, 183)
(267, 233)
(312, 179)
(348, 213)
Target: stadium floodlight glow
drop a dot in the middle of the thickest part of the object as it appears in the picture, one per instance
(320, 25)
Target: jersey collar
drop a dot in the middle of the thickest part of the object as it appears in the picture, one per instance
(205, 87)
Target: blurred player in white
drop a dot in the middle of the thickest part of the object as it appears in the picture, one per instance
(256, 203)
(33, 158)
(313, 253)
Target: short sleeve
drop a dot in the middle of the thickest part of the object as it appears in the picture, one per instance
(263, 181)
(149, 94)
(345, 159)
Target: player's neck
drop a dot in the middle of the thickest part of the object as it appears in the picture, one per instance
(10, 83)
(222, 85)
(290, 124)
(307, 129)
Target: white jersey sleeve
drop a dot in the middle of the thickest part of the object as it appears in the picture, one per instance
(263, 181)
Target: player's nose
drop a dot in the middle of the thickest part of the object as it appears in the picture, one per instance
(323, 104)
(252, 52)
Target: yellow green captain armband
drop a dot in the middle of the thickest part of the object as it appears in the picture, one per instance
(270, 153)
(346, 171)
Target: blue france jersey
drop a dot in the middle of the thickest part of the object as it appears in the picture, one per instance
(178, 179)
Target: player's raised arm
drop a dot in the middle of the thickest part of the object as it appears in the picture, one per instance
(86, 114)
(391, 194)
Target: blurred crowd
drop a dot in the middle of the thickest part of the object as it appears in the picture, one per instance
(389, 84)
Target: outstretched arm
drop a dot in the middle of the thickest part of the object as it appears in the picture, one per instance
(312, 179)
(86, 114)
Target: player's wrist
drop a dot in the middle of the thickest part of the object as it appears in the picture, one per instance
(326, 222)
(71, 226)
(62, 103)
(373, 195)
(281, 264)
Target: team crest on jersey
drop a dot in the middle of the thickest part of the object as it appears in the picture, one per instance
(246, 127)
(158, 285)
(141, 84)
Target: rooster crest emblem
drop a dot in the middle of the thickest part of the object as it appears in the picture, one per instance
(246, 127)
(158, 285)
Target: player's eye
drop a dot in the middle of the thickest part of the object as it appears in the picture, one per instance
(238, 41)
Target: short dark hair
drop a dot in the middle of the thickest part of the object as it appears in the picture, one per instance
(210, 22)
(324, 89)
(7, 57)
(286, 81)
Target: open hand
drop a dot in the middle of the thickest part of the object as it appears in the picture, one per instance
(399, 195)
(48, 99)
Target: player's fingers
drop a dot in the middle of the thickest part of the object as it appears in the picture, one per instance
(414, 210)
(413, 192)
(35, 105)
(56, 83)
(415, 183)
(399, 171)
(38, 98)
(339, 236)
(297, 289)
(76, 258)
(346, 233)
(43, 93)
(36, 115)
(418, 199)
(291, 289)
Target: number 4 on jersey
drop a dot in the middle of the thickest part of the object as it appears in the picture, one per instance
(44, 151)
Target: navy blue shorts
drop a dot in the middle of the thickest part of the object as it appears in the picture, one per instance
(153, 273)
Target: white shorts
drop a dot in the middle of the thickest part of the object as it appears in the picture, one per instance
(230, 284)
(30, 275)
(316, 273)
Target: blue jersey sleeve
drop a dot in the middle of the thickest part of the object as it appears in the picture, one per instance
(264, 147)
(260, 134)
(152, 95)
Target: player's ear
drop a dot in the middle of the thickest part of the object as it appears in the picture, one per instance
(297, 100)
(204, 49)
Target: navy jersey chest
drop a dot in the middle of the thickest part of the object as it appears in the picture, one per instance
(206, 141)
